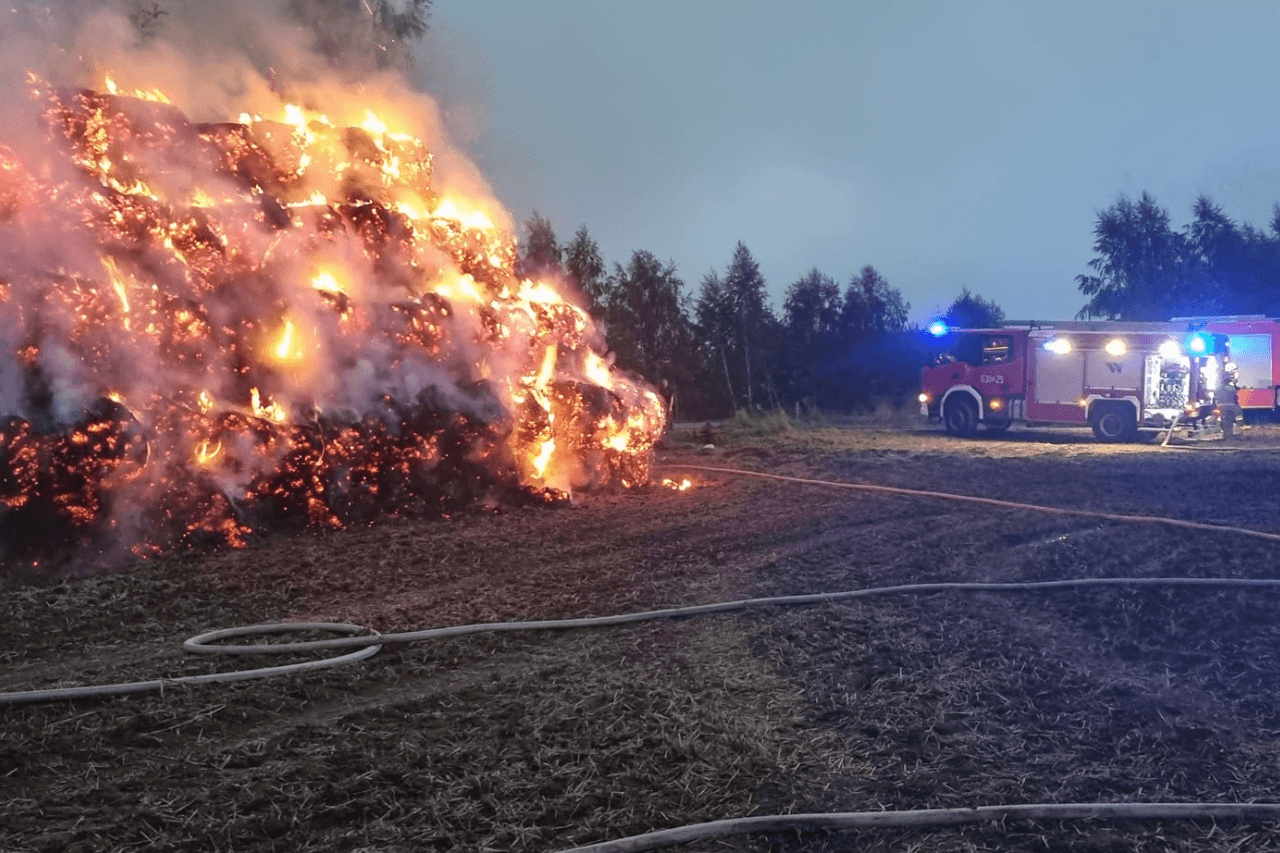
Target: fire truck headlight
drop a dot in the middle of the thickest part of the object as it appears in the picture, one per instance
(1058, 346)
(923, 398)
(1116, 347)
(1170, 350)
(995, 404)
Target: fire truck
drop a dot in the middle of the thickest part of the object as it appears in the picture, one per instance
(1116, 377)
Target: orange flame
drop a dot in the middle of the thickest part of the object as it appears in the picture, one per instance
(291, 309)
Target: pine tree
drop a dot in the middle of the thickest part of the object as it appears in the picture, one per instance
(648, 327)
(811, 320)
(584, 269)
(714, 322)
(756, 325)
(539, 253)
(871, 306)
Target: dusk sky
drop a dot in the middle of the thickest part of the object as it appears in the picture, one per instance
(948, 144)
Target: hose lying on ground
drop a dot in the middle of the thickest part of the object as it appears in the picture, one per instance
(1052, 510)
(369, 645)
(933, 817)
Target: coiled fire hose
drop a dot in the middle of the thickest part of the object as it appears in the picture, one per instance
(368, 645)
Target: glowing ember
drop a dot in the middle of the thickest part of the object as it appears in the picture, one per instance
(682, 485)
(275, 320)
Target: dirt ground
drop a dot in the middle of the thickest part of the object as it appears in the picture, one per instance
(543, 741)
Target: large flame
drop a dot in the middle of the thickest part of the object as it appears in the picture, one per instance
(276, 317)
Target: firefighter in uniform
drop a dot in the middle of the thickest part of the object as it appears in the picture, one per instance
(1228, 407)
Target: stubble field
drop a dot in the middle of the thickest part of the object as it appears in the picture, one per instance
(543, 741)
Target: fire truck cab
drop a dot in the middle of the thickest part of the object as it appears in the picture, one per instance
(1115, 377)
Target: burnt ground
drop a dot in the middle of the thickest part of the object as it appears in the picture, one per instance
(542, 741)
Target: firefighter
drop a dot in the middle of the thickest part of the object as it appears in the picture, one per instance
(1228, 406)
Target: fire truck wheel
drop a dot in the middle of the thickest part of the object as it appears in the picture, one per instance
(961, 416)
(1113, 422)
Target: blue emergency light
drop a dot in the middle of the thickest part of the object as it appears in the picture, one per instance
(938, 328)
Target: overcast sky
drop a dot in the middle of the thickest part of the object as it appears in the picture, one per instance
(948, 144)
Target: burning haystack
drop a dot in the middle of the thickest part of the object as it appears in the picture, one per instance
(209, 328)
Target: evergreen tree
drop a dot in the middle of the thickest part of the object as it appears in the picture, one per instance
(872, 307)
(584, 269)
(1263, 250)
(540, 254)
(648, 326)
(716, 330)
(811, 319)
(873, 363)
(1146, 271)
(1217, 265)
(757, 328)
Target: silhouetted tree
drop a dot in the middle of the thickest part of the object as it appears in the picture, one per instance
(1263, 251)
(1147, 271)
(871, 306)
(1215, 263)
(716, 330)
(539, 255)
(757, 327)
(647, 324)
(811, 324)
(584, 269)
(872, 363)
(1140, 266)
(970, 311)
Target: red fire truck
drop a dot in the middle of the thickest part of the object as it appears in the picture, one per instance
(1117, 377)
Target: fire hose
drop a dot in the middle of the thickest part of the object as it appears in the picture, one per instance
(833, 821)
(368, 644)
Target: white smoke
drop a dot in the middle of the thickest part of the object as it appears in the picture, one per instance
(214, 61)
(171, 258)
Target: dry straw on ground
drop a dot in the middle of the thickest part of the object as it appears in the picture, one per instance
(541, 742)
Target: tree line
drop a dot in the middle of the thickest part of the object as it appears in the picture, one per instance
(724, 350)
(842, 347)
(1144, 269)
